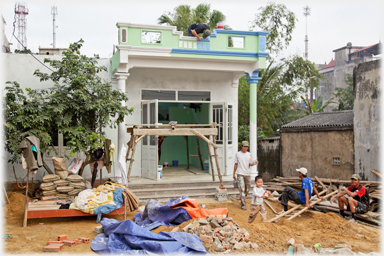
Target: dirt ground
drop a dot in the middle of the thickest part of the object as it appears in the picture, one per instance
(309, 229)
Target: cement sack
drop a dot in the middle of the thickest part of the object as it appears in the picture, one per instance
(75, 192)
(60, 167)
(63, 196)
(75, 178)
(75, 165)
(49, 192)
(47, 186)
(51, 178)
(78, 185)
(48, 198)
(64, 189)
(60, 183)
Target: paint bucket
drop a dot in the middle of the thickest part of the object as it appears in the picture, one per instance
(206, 165)
(165, 164)
(159, 172)
(175, 163)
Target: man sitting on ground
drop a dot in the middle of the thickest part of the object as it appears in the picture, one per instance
(358, 201)
(303, 196)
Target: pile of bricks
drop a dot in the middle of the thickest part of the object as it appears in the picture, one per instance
(221, 231)
(56, 246)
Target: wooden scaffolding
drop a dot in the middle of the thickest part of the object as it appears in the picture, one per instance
(203, 131)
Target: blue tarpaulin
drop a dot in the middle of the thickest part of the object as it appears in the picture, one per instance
(128, 238)
(155, 214)
(107, 208)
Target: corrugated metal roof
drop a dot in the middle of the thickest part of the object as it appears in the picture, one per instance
(324, 119)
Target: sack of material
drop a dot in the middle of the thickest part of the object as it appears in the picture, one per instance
(75, 178)
(60, 167)
(64, 189)
(60, 183)
(49, 192)
(51, 178)
(75, 165)
(48, 197)
(75, 192)
(63, 196)
(47, 186)
(76, 185)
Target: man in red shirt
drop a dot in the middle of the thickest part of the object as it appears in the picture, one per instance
(358, 201)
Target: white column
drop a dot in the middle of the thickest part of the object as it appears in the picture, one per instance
(121, 78)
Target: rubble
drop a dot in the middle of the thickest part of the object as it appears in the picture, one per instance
(222, 232)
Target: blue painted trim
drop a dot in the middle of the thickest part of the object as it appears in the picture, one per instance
(213, 34)
(222, 53)
(241, 32)
(208, 46)
(199, 45)
(254, 79)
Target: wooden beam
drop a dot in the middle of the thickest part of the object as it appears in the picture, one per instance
(186, 139)
(376, 172)
(132, 158)
(320, 182)
(198, 134)
(210, 158)
(270, 207)
(199, 153)
(140, 138)
(176, 132)
(217, 163)
(312, 204)
(26, 203)
(293, 209)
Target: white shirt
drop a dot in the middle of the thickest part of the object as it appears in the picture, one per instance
(243, 160)
(257, 195)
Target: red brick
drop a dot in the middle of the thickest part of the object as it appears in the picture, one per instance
(69, 242)
(54, 242)
(62, 238)
(52, 248)
(206, 239)
(84, 240)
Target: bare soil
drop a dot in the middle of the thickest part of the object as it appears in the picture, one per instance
(309, 229)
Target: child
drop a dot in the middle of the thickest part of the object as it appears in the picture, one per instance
(257, 201)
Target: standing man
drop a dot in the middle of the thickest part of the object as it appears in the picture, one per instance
(197, 28)
(358, 201)
(303, 196)
(243, 160)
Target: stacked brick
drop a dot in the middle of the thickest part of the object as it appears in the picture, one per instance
(54, 187)
(56, 246)
(222, 232)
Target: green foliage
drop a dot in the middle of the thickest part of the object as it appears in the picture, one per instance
(243, 134)
(345, 95)
(278, 89)
(25, 51)
(79, 105)
(279, 22)
(183, 16)
(316, 105)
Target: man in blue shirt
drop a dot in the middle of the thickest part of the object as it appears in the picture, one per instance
(303, 196)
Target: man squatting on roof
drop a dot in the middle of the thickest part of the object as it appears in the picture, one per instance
(358, 201)
(243, 160)
(303, 196)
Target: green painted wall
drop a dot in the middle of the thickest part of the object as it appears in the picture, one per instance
(174, 147)
(115, 61)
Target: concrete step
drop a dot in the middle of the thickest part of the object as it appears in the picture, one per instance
(178, 191)
(179, 185)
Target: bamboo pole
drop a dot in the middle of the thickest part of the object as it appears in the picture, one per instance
(132, 157)
(186, 139)
(198, 152)
(312, 204)
(140, 138)
(129, 147)
(217, 162)
(293, 209)
(204, 138)
(320, 182)
(376, 172)
(210, 158)
(270, 206)
(26, 203)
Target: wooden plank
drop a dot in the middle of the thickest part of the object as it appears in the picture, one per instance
(132, 158)
(376, 172)
(217, 163)
(200, 135)
(320, 182)
(141, 137)
(199, 153)
(293, 209)
(176, 132)
(38, 214)
(26, 203)
(270, 206)
(186, 139)
(210, 158)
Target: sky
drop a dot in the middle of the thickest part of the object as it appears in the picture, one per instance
(331, 24)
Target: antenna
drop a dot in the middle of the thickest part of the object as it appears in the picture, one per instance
(307, 12)
(21, 11)
(54, 13)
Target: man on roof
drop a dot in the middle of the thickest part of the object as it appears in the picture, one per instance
(303, 197)
(197, 28)
(358, 198)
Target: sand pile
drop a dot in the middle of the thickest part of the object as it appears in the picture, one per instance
(15, 209)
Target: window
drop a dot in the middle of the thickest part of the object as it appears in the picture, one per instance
(235, 42)
(336, 161)
(230, 128)
(150, 37)
(194, 95)
(218, 118)
(158, 94)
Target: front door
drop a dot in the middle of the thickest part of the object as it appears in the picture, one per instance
(149, 153)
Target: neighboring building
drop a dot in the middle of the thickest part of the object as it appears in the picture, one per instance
(52, 51)
(268, 155)
(322, 143)
(346, 58)
(367, 93)
(167, 77)
(6, 47)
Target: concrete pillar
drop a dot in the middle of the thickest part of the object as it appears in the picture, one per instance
(253, 80)
(121, 140)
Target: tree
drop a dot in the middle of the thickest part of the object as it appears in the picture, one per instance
(79, 105)
(345, 95)
(279, 22)
(316, 105)
(183, 16)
